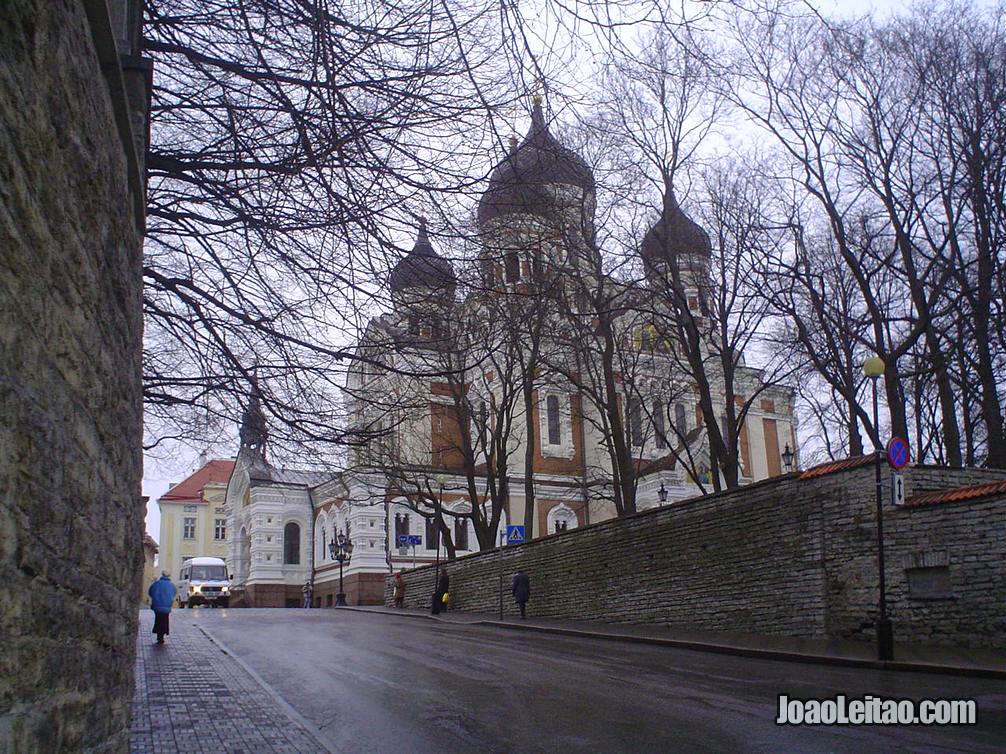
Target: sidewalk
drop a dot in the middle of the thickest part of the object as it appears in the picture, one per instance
(984, 663)
(192, 697)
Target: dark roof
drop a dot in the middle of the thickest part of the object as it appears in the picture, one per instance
(423, 268)
(971, 492)
(832, 466)
(674, 235)
(518, 183)
(191, 490)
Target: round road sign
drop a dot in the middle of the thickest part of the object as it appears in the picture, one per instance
(898, 454)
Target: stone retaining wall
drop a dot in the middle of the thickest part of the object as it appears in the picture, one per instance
(786, 557)
(71, 515)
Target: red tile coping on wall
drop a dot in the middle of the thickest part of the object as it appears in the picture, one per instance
(957, 494)
(832, 466)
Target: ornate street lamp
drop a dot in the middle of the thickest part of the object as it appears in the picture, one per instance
(873, 368)
(440, 479)
(662, 493)
(787, 458)
(341, 550)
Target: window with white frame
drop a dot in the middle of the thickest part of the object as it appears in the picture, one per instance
(219, 529)
(190, 509)
(635, 420)
(681, 419)
(554, 420)
(659, 431)
(189, 527)
(460, 533)
(554, 424)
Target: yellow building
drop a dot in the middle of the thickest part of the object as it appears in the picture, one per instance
(194, 517)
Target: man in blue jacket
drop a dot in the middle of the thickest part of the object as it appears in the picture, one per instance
(162, 595)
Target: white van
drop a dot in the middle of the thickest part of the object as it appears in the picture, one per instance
(204, 581)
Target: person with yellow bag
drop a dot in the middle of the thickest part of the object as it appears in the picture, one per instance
(441, 597)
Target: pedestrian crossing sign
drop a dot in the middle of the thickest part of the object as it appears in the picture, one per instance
(515, 535)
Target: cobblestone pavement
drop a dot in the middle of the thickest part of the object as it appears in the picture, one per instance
(193, 698)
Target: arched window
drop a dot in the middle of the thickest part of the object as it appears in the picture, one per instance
(680, 419)
(554, 429)
(658, 424)
(561, 518)
(512, 264)
(460, 533)
(635, 417)
(291, 544)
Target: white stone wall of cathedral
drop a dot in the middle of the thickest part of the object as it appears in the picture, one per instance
(270, 510)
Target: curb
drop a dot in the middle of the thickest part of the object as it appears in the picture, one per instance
(311, 729)
(727, 649)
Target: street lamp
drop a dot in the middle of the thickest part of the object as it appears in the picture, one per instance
(341, 549)
(873, 368)
(441, 480)
(787, 458)
(662, 492)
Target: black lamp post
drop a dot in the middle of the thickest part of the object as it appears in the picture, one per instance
(341, 549)
(662, 493)
(787, 458)
(873, 367)
(439, 504)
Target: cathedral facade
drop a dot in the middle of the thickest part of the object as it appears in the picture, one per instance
(521, 383)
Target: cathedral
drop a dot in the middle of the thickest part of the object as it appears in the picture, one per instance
(517, 384)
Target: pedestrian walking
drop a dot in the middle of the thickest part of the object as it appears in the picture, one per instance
(441, 596)
(521, 588)
(399, 590)
(308, 588)
(162, 596)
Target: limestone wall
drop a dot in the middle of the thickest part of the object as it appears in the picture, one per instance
(71, 514)
(785, 556)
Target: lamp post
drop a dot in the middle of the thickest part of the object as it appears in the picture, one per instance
(438, 506)
(787, 458)
(341, 549)
(662, 493)
(873, 368)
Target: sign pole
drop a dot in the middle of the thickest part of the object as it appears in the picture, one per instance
(501, 575)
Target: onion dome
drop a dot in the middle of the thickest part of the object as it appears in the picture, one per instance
(674, 238)
(518, 184)
(423, 268)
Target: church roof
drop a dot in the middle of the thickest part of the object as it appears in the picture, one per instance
(423, 268)
(674, 235)
(516, 184)
(191, 490)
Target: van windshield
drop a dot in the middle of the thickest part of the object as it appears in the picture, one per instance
(208, 573)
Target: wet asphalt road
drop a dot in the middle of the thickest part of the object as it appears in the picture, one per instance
(384, 683)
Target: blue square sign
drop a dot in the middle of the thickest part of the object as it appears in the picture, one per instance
(415, 539)
(515, 535)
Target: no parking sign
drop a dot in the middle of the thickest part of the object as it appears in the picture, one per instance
(898, 454)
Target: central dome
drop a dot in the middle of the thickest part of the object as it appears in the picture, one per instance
(519, 183)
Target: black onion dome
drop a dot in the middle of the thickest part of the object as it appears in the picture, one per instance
(423, 268)
(517, 183)
(673, 236)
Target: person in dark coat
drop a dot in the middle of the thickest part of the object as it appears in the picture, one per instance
(399, 590)
(521, 588)
(162, 595)
(442, 589)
